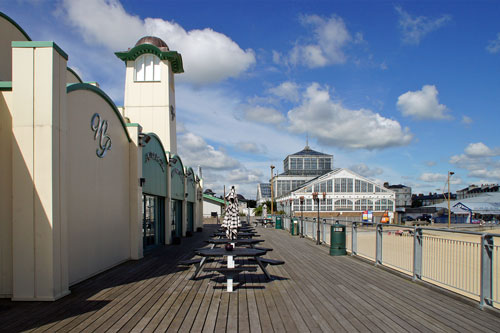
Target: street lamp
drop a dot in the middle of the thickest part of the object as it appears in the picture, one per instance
(272, 196)
(450, 173)
(302, 217)
(316, 198)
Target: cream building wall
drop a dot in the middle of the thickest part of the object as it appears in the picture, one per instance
(10, 31)
(98, 188)
(5, 194)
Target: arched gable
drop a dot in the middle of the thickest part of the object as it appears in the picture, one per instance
(154, 167)
(88, 87)
(176, 176)
(10, 31)
(72, 76)
(190, 185)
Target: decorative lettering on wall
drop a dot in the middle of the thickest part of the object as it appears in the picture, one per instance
(177, 171)
(150, 156)
(100, 127)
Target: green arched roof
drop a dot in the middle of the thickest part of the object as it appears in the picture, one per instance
(85, 86)
(178, 159)
(151, 134)
(174, 57)
(74, 73)
(14, 23)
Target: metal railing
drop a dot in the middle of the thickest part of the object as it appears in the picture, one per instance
(465, 262)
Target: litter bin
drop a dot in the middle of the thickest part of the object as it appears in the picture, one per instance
(279, 222)
(294, 227)
(337, 240)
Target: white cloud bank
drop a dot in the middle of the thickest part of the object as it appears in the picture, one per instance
(423, 104)
(415, 28)
(480, 161)
(334, 125)
(208, 56)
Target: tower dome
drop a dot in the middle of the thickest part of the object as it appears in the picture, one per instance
(158, 42)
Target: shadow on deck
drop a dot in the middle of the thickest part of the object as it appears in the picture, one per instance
(311, 292)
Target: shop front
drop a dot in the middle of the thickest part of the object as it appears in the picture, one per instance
(154, 192)
(177, 196)
(191, 199)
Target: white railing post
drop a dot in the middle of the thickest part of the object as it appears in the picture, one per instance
(417, 253)
(378, 253)
(486, 294)
(354, 238)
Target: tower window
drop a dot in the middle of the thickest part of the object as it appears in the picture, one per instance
(147, 68)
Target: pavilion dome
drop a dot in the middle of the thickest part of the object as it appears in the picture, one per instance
(156, 41)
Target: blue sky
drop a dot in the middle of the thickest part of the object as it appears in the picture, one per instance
(398, 91)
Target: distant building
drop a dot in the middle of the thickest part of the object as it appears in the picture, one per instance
(299, 168)
(242, 204)
(403, 194)
(342, 192)
(263, 193)
(209, 192)
(476, 190)
(212, 206)
(430, 199)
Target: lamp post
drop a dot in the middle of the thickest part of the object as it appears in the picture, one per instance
(272, 196)
(450, 173)
(316, 198)
(302, 217)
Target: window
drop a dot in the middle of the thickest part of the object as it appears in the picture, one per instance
(344, 185)
(363, 204)
(384, 204)
(343, 204)
(147, 68)
(325, 205)
(329, 186)
(308, 205)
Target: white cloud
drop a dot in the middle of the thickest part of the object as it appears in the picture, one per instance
(195, 151)
(365, 171)
(494, 45)
(251, 147)
(479, 149)
(334, 125)
(467, 120)
(422, 104)
(430, 163)
(329, 38)
(208, 56)
(415, 28)
(287, 90)
(264, 115)
(480, 160)
(439, 178)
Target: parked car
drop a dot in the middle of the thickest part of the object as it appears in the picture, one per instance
(424, 217)
(407, 219)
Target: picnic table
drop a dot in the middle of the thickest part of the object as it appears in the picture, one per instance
(240, 234)
(231, 270)
(264, 222)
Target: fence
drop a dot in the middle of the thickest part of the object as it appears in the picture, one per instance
(465, 262)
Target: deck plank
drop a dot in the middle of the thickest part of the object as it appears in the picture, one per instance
(311, 292)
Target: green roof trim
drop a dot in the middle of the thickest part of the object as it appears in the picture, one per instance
(41, 44)
(85, 86)
(174, 57)
(178, 158)
(14, 23)
(6, 85)
(74, 73)
(133, 125)
(210, 197)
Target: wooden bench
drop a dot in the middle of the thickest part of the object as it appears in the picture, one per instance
(263, 248)
(266, 261)
(227, 271)
(189, 262)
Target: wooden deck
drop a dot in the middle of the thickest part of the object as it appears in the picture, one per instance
(311, 292)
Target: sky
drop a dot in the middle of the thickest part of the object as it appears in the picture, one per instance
(399, 92)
